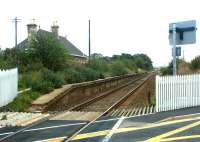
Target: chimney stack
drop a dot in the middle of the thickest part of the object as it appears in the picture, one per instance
(32, 29)
(54, 28)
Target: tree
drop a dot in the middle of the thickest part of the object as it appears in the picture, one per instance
(195, 63)
(96, 56)
(99, 64)
(46, 48)
(169, 69)
(143, 62)
(118, 68)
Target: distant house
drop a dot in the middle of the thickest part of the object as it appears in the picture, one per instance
(77, 54)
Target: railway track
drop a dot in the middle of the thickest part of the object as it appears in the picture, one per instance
(105, 104)
(132, 111)
(90, 115)
(109, 102)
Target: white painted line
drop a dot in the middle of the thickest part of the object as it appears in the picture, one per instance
(36, 129)
(116, 126)
(105, 120)
(6, 133)
(58, 126)
(98, 121)
(46, 140)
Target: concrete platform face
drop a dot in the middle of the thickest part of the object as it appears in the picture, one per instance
(180, 125)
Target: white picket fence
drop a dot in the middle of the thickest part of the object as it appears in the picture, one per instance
(174, 92)
(8, 86)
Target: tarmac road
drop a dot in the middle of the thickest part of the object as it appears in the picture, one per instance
(180, 125)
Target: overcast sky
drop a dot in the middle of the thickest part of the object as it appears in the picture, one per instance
(117, 26)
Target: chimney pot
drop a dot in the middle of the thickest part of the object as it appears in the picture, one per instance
(32, 29)
(55, 28)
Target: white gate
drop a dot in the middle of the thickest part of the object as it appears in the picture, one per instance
(8, 86)
(174, 92)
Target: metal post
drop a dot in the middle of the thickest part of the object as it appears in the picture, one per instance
(174, 49)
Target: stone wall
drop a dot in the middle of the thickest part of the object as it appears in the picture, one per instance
(78, 93)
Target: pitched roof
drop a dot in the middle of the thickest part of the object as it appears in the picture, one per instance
(73, 50)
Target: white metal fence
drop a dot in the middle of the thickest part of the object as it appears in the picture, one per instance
(8, 86)
(174, 92)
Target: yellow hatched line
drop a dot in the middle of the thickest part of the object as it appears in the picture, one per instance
(121, 130)
(160, 137)
(129, 129)
(91, 135)
(180, 138)
(55, 140)
(179, 117)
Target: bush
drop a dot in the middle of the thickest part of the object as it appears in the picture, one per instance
(23, 82)
(56, 79)
(46, 80)
(23, 101)
(90, 74)
(195, 63)
(118, 68)
(71, 75)
(42, 86)
(80, 74)
(26, 79)
(98, 65)
(33, 67)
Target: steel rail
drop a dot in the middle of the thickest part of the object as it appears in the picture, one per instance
(105, 94)
(110, 108)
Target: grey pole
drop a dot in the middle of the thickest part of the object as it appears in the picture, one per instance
(174, 49)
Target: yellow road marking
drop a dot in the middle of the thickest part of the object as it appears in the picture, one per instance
(180, 138)
(91, 135)
(129, 129)
(55, 140)
(58, 139)
(160, 137)
(179, 117)
(121, 130)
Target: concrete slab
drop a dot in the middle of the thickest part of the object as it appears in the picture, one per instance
(48, 97)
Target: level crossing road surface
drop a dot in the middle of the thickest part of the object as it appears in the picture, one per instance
(180, 125)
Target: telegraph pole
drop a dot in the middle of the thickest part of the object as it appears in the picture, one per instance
(16, 21)
(89, 43)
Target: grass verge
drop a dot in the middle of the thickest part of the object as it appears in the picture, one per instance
(22, 102)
